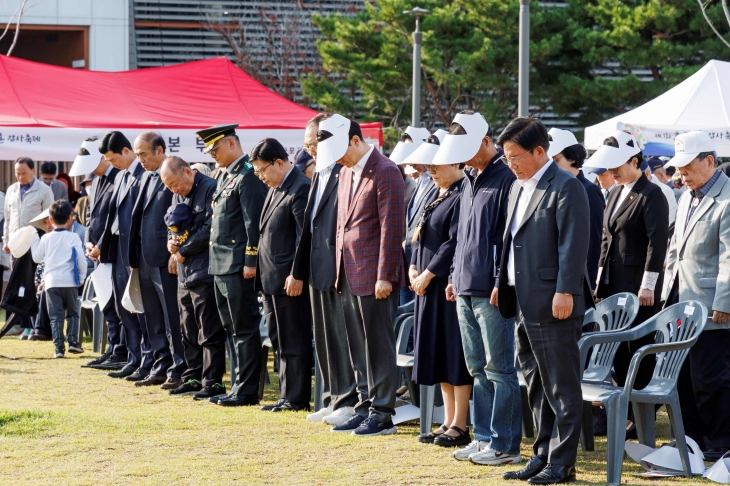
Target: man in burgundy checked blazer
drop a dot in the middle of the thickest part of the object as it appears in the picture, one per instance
(370, 271)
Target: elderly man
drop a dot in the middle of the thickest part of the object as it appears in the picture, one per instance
(543, 283)
(288, 312)
(605, 182)
(203, 337)
(371, 206)
(234, 240)
(698, 269)
(48, 175)
(148, 252)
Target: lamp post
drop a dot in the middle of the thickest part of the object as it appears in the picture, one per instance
(417, 12)
(523, 96)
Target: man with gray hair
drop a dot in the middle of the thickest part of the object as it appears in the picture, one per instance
(188, 221)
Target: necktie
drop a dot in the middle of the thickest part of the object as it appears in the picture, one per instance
(605, 196)
(102, 180)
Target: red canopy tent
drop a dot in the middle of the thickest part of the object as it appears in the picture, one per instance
(46, 111)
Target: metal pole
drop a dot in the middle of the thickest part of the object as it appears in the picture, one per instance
(523, 97)
(416, 105)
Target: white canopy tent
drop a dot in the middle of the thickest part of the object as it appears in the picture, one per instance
(701, 102)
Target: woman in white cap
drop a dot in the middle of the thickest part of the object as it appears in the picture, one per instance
(635, 235)
(439, 356)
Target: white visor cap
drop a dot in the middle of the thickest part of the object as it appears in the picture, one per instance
(426, 152)
(402, 150)
(608, 157)
(457, 149)
(561, 139)
(87, 159)
(333, 147)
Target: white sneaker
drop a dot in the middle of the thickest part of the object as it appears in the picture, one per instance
(491, 457)
(473, 447)
(320, 415)
(340, 416)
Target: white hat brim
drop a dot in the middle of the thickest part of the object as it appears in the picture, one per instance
(608, 157)
(408, 170)
(457, 149)
(85, 164)
(330, 151)
(38, 220)
(402, 150)
(423, 154)
(681, 160)
(21, 241)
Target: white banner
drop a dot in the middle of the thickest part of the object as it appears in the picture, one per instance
(62, 144)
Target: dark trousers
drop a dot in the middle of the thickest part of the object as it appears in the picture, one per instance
(136, 342)
(550, 361)
(203, 336)
(333, 355)
(370, 337)
(626, 350)
(238, 308)
(116, 337)
(704, 390)
(289, 322)
(159, 292)
(62, 305)
(41, 321)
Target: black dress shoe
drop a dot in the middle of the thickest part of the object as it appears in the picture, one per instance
(429, 438)
(124, 372)
(631, 433)
(714, 455)
(97, 361)
(290, 407)
(269, 408)
(151, 380)
(532, 468)
(114, 363)
(554, 474)
(187, 388)
(242, 401)
(208, 392)
(138, 375)
(218, 398)
(445, 440)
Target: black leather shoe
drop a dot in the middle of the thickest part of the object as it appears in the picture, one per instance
(124, 372)
(714, 455)
(554, 474)
(269, 408)
(428, 438)
(208, 392)
(631, 433)
(138, 375)
(97, 361)
(151, 380)
(218, 398)
(445, 440)
(290, 407)
(114, 363)
(532, 468)
(242, 401)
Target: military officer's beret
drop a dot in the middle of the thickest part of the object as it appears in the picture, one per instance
(211, 135)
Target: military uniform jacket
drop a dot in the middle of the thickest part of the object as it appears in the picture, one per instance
(237, 204)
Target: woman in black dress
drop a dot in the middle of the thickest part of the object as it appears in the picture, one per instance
(439, 356)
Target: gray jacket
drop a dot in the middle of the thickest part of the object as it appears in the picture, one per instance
(59, 190)
(18, 213)
(699, 253)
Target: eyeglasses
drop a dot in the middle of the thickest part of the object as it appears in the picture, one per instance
(259, 173)
(310, 148)
(513, 160)
(214, 149)
(431, 169)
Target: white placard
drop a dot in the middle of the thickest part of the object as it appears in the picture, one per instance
(622, 301)
(101, 277)
(689, 310)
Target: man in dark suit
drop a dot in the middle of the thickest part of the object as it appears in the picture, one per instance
(234, 240)
(370, 222)
(315, 261)
(148, 253)
(287, 309)
(113, 246)
(189, 220)
(542, 281)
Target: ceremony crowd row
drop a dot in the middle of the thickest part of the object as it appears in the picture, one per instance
(503, 242)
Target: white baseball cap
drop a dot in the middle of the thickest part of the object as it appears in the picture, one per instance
(560, 140)
(427, 151)
(87, 159)
(608, 157)
(403, 149)
(333, 140)
(456, 149)
(687, 146)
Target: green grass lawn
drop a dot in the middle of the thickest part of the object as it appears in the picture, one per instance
(62, 424)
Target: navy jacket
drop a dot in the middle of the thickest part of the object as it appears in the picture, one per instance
(416, 207)
(319, 246)
(98, 209)
(148, 236)
(597, 205)
(482, 220)
(194, 269)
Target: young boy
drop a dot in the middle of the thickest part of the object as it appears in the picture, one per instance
(65, 268)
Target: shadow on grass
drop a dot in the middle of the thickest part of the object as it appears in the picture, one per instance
(24, 423)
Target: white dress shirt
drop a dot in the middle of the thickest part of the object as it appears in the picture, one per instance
(357, 170)
(323, 177)
(528, 189)
(669, 196)
(625, 190)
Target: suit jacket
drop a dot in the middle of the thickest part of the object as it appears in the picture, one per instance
(370, 227)
(148, 235)
(635, 240)
(551, 247)
(699, 254)
(417, 205)
(281, 227)
(234, 233)
(121, 205)
(100, 197)
(597, 206)
(319, 246)
(59, 190)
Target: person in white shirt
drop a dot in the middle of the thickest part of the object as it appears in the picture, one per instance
(62, 253)
(647, 169)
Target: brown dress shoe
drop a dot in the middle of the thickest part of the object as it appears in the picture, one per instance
(151, 380)
(171, 384)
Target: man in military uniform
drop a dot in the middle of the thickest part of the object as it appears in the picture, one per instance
(234, 238)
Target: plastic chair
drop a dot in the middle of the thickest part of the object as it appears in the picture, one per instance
(406, 308)
(615, 313)
(91, 310)
(676, 330)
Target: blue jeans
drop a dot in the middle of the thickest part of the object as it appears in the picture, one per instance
(63, 304)
(489, 349)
